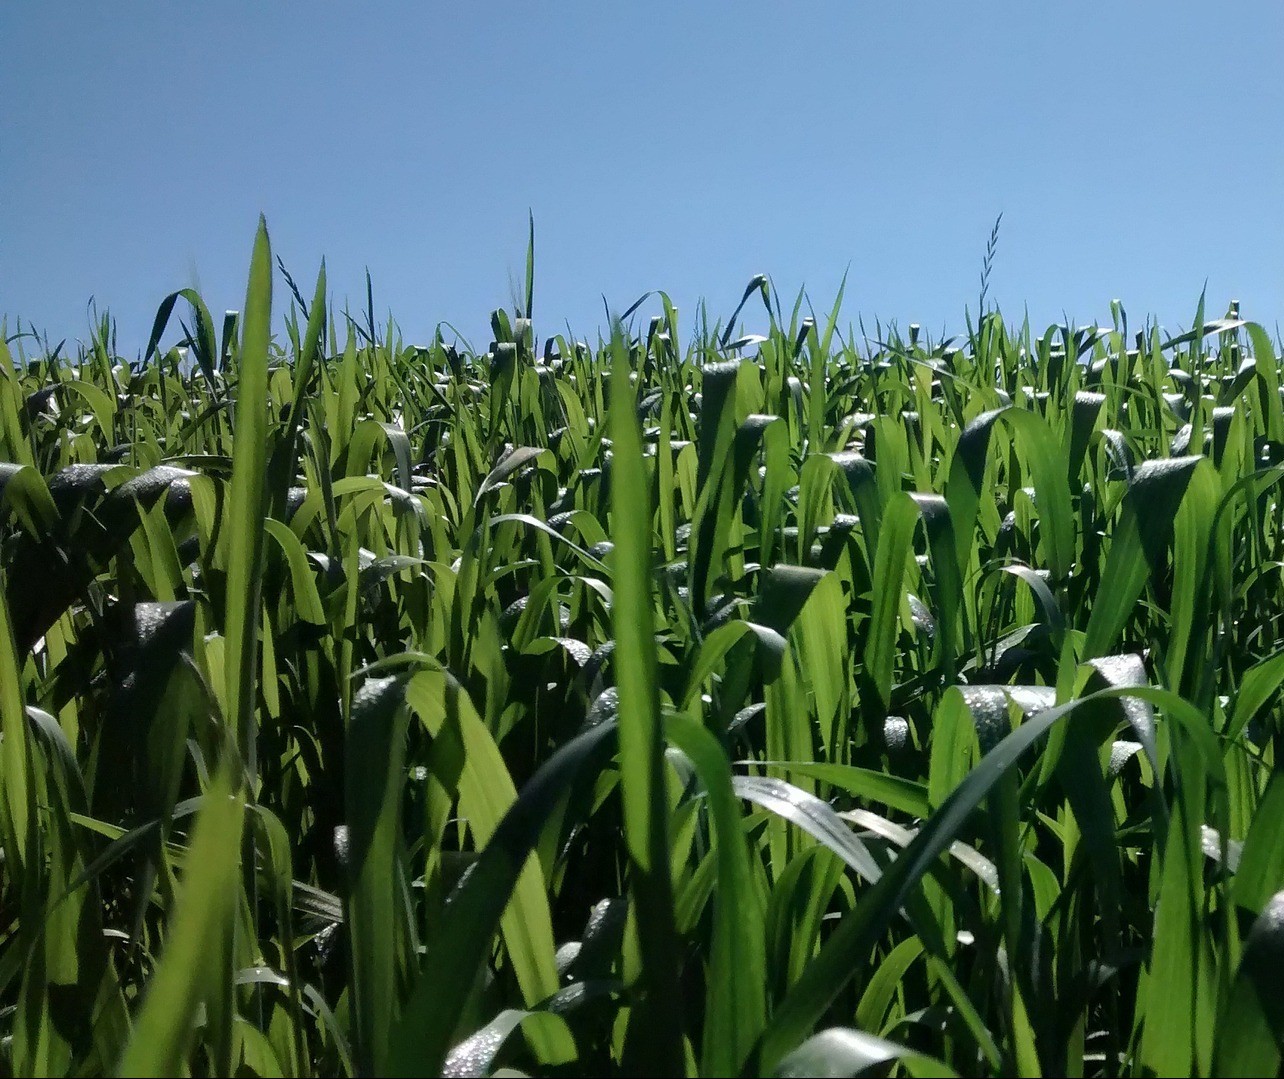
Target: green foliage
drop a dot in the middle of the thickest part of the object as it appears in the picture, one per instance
(758, 703)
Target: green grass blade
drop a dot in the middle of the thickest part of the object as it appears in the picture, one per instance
(248, 505)
(658, 1016)
(839, 959)
(841, 1051)
(485, 794)
(1261, 865)
(1249, 1030)
(16, 794)
(423, 1034)
(1150, 507)
(374, 776)
(207, 356)
(201, 927)
(735, 1010)
(475, 1055)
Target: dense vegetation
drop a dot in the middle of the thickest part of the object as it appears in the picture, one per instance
(786, 703)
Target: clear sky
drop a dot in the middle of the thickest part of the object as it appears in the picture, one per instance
(1135, 149)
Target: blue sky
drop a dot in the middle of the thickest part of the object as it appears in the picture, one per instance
(1135, 150)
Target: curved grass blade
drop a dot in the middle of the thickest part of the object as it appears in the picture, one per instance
(421, 1037)
(207, 355)
(485, 794)
(841, 957)
(1149, 509)
(1048, 473)
(890, 790)
(840, 1051)
(474, 1057)
(813, 816)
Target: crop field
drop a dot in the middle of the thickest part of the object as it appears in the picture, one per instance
(753, 695)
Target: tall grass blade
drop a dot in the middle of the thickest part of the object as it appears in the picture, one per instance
(201, 924)
(248, 506)
(656, 1036)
